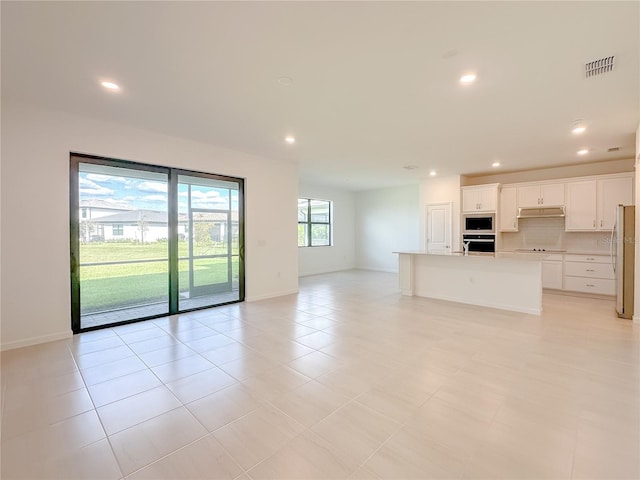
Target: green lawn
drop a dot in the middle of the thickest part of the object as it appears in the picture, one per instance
(125, 251)
(107, 287)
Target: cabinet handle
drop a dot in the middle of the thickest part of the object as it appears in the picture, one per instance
(590, 258)
(514, 224)
(601, 223)
(590, 285)
(594, 224)
(542, 201)
(590, 270)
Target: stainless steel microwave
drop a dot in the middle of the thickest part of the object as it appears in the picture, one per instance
(479, 223)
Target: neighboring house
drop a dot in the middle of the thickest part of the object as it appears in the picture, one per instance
(151, 226)
(141, 225)
(95, 208)
(92, 209)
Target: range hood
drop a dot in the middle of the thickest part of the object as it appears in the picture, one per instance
(546, 212)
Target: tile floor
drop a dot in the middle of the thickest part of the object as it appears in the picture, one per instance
(347, 379)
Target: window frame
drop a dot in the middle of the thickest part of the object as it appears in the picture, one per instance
(309, 223)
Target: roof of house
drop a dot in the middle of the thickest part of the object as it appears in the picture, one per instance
(104, 203)
(159, 217)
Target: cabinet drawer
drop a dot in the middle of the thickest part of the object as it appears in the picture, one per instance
(590, 285)
(553, 257)
(569, 257)
(592, 270)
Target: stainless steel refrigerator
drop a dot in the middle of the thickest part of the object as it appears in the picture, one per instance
(623, 258)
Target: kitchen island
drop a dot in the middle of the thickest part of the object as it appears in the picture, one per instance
(507, 281)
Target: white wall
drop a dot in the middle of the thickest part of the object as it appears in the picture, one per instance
(553, 173)
(341, 255)
(387, 220)
(441, 190)
(35, 157)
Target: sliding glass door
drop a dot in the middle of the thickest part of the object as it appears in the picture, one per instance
(148, 241)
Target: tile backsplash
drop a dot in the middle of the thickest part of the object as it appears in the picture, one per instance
(549, 233)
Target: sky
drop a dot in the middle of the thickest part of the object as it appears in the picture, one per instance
(148, 194)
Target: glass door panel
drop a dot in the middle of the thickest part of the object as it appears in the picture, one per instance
(123, 244)
(208, 212)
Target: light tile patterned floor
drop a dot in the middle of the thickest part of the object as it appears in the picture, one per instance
(347, 379)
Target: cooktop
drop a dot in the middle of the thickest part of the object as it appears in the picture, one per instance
(548, 250)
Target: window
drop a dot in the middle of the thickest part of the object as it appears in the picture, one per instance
(314, 222)
(118, 230)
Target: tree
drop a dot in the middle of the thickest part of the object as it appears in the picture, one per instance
(87, 227)
(143, 226)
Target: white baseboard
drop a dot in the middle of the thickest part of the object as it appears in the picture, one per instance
(27, 342)
(385, 270)
(257, 298)
(322, 272)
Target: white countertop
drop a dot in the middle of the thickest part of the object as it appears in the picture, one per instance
(561, 252)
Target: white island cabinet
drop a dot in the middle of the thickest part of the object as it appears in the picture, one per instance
(506, 281)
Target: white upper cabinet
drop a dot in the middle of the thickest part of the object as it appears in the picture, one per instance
(508, 209)
(539, 195)
(611, 193)
(581, 206)
(591, 204)
(483, 198)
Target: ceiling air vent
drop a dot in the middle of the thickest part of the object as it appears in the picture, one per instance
(613, 149)
(598, 67)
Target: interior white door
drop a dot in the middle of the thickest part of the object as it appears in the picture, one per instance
(439, 228)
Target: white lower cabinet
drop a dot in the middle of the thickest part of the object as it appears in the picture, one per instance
(552, 272)
(589, 273)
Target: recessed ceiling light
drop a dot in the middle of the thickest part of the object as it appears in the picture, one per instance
(290, 140)
(495, 164)
(468, 78)
(110, 86)
(286, 81)
(432, 173)
(578, 127)
(584, 151)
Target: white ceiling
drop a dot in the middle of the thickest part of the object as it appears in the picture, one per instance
(375, 84)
